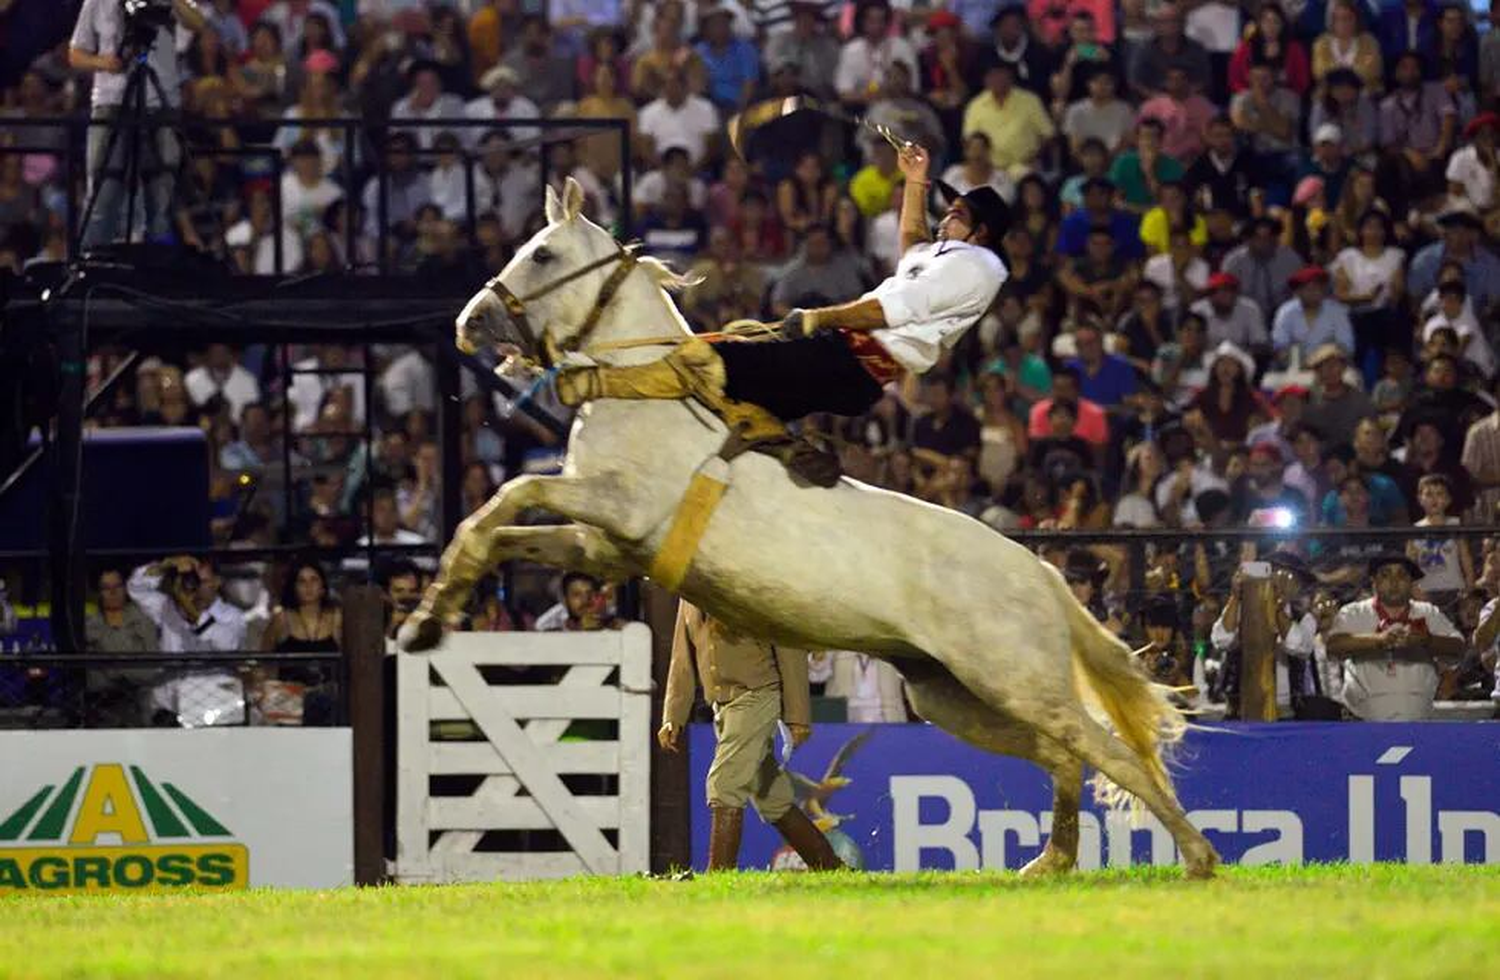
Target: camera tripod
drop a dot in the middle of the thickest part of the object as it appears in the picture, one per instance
(129, 165)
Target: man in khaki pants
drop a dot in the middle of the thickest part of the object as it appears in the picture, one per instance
(751, 685)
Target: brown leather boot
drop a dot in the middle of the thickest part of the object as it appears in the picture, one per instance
(808, 841)
(724, 831)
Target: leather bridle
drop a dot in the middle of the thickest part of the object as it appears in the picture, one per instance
(539, 342)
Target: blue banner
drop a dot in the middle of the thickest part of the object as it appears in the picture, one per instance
(911, 796)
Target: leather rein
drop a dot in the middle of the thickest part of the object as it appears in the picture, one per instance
(623, 257)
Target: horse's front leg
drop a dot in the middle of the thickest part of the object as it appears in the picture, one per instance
(473, 550)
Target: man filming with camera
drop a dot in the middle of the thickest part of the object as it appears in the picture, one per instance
(180, 595)
(109, 36)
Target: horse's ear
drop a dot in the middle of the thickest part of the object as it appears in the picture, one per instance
(554, 210)
(572, 199)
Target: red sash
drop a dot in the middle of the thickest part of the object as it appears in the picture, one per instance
(877, 363)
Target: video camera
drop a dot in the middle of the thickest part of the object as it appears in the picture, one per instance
(143, 19)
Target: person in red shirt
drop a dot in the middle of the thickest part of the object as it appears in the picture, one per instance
(1092, 426)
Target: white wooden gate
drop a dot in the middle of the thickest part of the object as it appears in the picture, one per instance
(522, 757)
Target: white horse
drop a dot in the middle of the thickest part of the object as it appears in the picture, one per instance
(993, 645)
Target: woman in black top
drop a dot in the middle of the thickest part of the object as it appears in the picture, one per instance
(308, 621)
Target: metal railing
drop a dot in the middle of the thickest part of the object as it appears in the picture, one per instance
(186, 690)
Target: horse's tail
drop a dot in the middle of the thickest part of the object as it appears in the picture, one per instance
(1140, 711)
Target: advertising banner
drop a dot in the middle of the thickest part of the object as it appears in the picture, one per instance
(909, 797)
(129, 810)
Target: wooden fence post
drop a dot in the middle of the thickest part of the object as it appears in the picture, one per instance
(364, 653)
(1257, 651)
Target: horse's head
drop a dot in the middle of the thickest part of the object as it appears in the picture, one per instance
(553, 292)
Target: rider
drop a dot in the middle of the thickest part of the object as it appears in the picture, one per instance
(837, 358)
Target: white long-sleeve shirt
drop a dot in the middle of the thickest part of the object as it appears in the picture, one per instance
(940, 289)
(221, 627)
(1300, 641)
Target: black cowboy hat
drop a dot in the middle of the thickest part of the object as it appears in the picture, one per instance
(985, 204)
(1395, 558)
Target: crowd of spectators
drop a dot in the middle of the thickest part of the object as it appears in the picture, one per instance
(1251, 268)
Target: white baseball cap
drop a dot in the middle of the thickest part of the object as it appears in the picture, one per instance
(1328, 133)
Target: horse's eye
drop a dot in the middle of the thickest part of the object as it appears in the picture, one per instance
(542, 255)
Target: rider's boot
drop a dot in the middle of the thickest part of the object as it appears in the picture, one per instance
(692, 369)
(695, 370)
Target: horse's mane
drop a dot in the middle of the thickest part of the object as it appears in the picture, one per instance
(666, 277)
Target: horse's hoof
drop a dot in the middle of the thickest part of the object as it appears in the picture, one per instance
(420, 632)
(1202, 867)
(1047, 864)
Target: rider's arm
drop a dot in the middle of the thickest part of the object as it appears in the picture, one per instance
(861, 314)
(914, 164)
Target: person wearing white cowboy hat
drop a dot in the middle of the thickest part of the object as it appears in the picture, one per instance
(500, 100)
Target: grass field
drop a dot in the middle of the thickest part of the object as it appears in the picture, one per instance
(1269, 923)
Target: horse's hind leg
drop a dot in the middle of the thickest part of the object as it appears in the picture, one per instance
(939, 698)
(1116, 760)
(1055, 712)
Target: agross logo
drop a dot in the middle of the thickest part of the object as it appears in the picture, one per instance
(1001, 829)
(42, 849)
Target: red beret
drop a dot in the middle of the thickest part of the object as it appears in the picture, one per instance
(1222, 280)
(1288, 391)
(941, 19)
(1268, 449)
(1479, 122)
(1307, 274)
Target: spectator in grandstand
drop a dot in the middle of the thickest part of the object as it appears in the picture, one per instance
(1446, 562)
(1461, 243)
(1391, 646)
(1295, 632)
(1106, 379)
(873, 691)
(1231, 317)
(98, 47)
(1100, 116)
(290, 18)
(306, 191)
(668, 53)
(1013, 118)
(501, 100)
(1099, 211)
(1441, 401)
(1310, 320)
(807, 45)
(732, 64)
(1342, 101)
(181, 596)
(401, 584)
(725, 286)
(1348, 46)
(1139, 173)
(820, 274)
(1268, 117)
(1168, 48)
(308, 619)
(583, 607)
(1093, 424)
(1178, 270)
(875, 185)
(1336, 406)
(901, 108)
(947, 429)
(1183, 112)
(221, 375)
(119, 625)
(679, 118)
(426, 100)
(864, 56)
(1418, 127)
(1228, 402)
(1264, 265)
(550, 78)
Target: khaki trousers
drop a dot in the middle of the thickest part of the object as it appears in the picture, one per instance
(744, 767)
